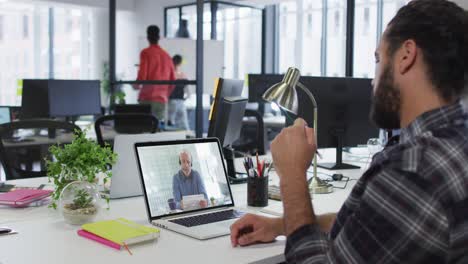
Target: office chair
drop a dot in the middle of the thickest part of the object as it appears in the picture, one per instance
(18, 155)
(131, 123)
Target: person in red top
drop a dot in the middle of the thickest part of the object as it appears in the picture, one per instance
(155, 64)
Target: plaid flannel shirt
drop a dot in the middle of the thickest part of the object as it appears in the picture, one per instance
(410, 206)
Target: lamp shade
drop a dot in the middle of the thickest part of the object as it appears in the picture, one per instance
(284, 93)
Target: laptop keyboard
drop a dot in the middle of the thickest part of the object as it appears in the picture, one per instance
(208, 218)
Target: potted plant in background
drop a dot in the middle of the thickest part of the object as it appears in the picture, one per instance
(82, 160)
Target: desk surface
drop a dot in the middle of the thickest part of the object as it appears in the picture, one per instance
(43, 237)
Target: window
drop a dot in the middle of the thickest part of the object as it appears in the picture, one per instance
(2, 22)
(288, 42)
(336, 41)
(365, 38)
(26, 53)
(321, 24)
(25, 26)
(367, 34)
(71, 43)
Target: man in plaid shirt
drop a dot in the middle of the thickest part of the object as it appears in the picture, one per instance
(411, 205)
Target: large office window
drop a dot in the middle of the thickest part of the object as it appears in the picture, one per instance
(312, 36)
(25, 49)
(240, 29)
(365, 38)
(72, 44)
(369, 15)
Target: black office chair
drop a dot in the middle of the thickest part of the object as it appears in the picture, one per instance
(132, 123)
(18, 155)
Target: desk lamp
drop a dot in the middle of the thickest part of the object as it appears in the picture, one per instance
(284, 95)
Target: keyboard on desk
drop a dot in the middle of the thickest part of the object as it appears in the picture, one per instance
(208, 218)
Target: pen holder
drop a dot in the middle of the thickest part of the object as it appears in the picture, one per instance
(257, 191)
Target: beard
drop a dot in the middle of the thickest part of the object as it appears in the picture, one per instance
(386, 102)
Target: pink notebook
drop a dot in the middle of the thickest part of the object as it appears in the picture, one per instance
(23, 197)
(99, 239)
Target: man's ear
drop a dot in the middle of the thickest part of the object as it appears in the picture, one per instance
(406, 56)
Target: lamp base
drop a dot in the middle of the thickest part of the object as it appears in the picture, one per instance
(318, 186)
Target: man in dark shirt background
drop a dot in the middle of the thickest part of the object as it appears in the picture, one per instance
(410, 206)
(155, 64)
(188, 181)
(177, 109)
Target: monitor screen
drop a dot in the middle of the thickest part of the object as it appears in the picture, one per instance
(181, 176)
(259, 83)
(224, 88)
(228, 124)
(35, 99)
(74, 97)
(343, 110)
(5, 116)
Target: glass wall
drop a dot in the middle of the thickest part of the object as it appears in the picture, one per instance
(239, 27)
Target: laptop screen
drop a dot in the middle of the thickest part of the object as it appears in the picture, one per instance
(183, 176)
(5, 116)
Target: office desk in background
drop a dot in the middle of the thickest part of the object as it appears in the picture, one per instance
(43, 237)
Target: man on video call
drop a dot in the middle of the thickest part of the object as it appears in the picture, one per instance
(411, 205)
(187, 181)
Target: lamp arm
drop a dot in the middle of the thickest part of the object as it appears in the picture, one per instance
(312, 98)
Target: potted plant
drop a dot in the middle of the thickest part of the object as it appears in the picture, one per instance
(81, 160)
(79, 202)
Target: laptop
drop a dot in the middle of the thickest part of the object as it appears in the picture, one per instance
(125, 181)
(186, 187)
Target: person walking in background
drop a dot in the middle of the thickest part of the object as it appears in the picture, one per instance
(155, 64)
(177, 110)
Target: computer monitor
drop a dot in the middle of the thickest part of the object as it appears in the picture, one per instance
(227, 129)
(71, 98)
(5, 115)
(225, 118)
(223, 88)
(35, 99)
(259, 83)
(343, 113)
(343, 110)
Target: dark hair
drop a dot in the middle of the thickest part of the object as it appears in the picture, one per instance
(177, 59)
(152, 33)
(440, 30)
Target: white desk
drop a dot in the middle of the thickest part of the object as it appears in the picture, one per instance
(44, 237)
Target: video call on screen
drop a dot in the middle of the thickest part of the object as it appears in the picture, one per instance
(183, 177)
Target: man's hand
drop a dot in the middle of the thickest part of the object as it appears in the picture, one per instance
(203, 203)
(254, 228)
(293, 149)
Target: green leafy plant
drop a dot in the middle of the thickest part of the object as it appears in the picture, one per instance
(82, 200)
(81, 160)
